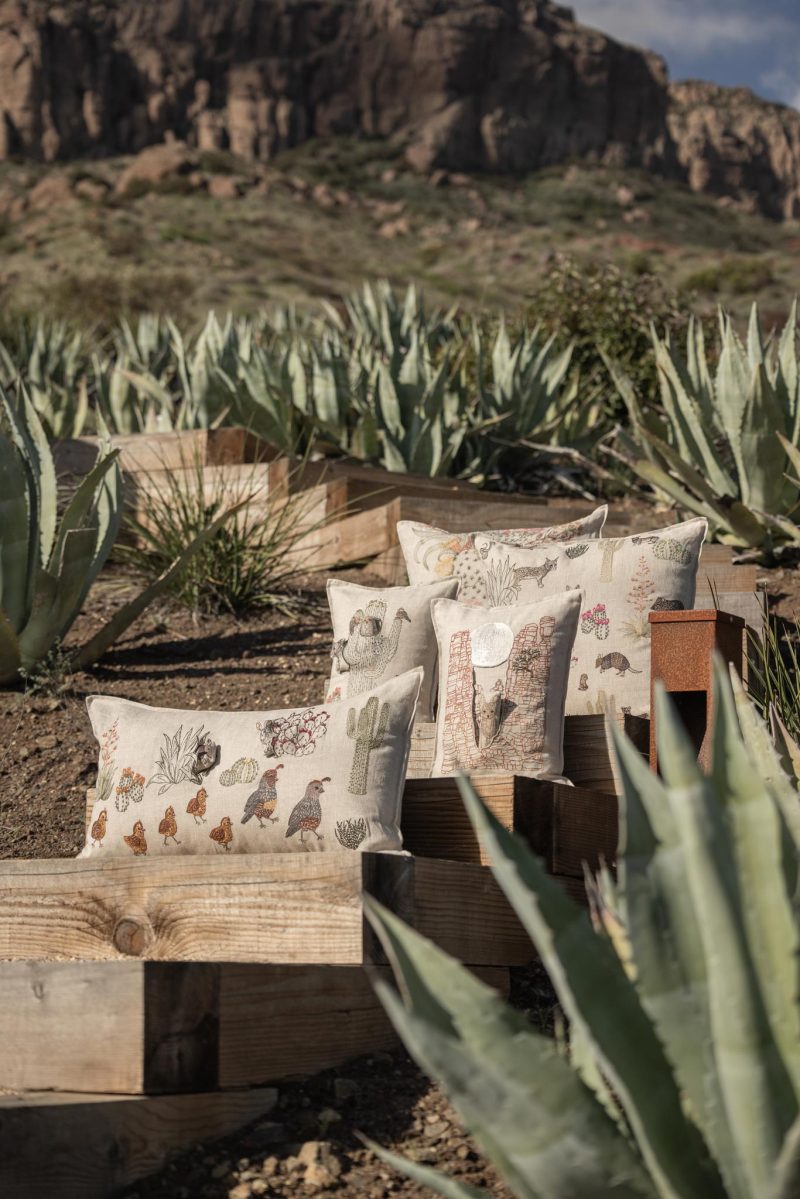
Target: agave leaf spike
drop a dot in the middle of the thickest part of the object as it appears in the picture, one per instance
(596, 993)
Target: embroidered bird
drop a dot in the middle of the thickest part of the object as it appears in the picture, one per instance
(306, 815)
(169, 827)
(197, 806)
(99, 829)
(136, 840)
(262, 802)
(223, 833)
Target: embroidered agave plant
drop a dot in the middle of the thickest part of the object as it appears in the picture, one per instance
(176, 761)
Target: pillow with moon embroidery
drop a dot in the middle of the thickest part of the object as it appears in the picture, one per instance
(379, 632)
(623, 579)
(301, 780)
(432, 553)
(502, 684)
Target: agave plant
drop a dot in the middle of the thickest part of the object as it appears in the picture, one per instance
(48, 564)
(681, 1076)
(51, 360)
(728, 438)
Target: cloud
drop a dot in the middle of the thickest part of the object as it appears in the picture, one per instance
(700, 28)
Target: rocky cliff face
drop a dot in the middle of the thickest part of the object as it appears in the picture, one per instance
(504, 85)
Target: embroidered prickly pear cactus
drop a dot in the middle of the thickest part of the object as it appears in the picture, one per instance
(595, 620)
(367, 731)
(672, 550)
(130, 789)
(244, 770)
(350, 833)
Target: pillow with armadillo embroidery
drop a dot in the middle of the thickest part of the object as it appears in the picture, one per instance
(379, 632)
(432, 553)
(502, 684)
(317, 779)
(623, 579)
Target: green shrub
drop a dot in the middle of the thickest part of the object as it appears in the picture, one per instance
(595, 304)
(252, 562)
(734, 276)
(681, 1075)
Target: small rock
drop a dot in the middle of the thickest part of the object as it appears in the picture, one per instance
(94, 190)
(327, 1117)
(50, 192)
(392, 229)
(423, 1154)
(439, 178)
(242, 1191)
(225, 187)
(259, 1186)
(48, 741)
(625, 195)
(269, 1167)
(344, 1089)
(221, 1169)
(291, 1164)
(389, 175)
(24, 753)
(436, 1130)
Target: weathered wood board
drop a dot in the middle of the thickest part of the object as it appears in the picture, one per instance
(81, 1146)
(133, 1027)
(281, 909)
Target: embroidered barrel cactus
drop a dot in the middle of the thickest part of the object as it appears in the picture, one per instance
(244, 770)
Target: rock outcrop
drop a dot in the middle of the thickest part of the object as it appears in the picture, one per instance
(501, 85)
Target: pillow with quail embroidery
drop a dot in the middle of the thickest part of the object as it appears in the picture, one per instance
(432, 553)
(300, 780)
(623, 579)
(502, 684)
(379, 632)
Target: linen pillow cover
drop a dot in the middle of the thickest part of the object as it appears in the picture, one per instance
(502, 684)
(623, 578)
(315, 779)
(432, 553)
(382, 632)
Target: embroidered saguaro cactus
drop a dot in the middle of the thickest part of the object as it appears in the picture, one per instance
(368, 733)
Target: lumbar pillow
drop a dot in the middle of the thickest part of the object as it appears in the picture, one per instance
(623, 578)
(432, 553)
(382, 632)
(502, 684)
(307, 779)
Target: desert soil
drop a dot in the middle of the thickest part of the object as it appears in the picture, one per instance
(310, 1143)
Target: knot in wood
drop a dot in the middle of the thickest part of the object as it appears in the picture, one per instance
(133, 933)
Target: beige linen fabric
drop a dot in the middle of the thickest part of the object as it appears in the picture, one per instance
(623, 579)
(380, 632)
(502, 685)
(324, 778)
(432, 553)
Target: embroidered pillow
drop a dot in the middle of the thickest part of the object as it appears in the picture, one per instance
(299, 780)
(382, 632)
(502, 684)
(432, 553)
(623, 578)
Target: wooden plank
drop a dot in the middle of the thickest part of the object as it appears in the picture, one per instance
(588, 754)
(435, 822)
(171, 450)
(335, 1007)
(568, 826)
(281, 908)
(70, 1026)
(460, 906)
(91, 1146)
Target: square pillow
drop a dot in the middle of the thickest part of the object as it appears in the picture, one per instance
(432, 553)
(326, 778)
(380, 632)
(502, 684)
(623, 578)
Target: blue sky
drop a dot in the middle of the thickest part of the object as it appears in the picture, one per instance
(750, 42)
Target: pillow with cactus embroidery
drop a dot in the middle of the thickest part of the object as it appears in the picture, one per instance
(379, 632)
(623, 579)
(502, 685)
(432, 553)
(302, 780)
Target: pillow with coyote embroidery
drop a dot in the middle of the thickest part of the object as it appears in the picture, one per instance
(299, 780)
(432, 553)
(623, 579)
(502, 685)
(379, 632)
